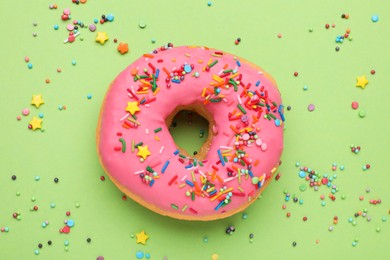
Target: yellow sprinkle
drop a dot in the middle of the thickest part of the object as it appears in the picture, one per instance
(240, 189)
(156, 177)
(184, 208)
(218, 79)
(203, 92)
(210, 60)
(193, 177)
(156, 91)
(239, 176)
(187, 55)
(210, 189)
(142, 92)
(234, 75)
(274, 170)
(133, 120)
(147, 83)
(157, 138)
(200, 61)
(182, 185)
(216, 55)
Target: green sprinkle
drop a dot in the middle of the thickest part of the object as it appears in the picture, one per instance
(215, 100)
(123, 144)
(157, 130)
(192, 196)
(182, 156)
(149, 169)
(143, 77)
(136, 78)
(139, 144)
(213, 63)
(134, 116)
(227, 71)
(195, 162)
(272, 115)
(225, 159)
(241, 108)
(200, 163)
(174, 206)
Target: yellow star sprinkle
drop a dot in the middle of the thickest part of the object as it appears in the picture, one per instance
(361, 81)
(36, 123)
(37, 100)
(143, 151)
(101, 37)
(132, 107)
(142, 237)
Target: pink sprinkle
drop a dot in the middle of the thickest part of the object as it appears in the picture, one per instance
(355, 105)
(311, 107)
(26, 112)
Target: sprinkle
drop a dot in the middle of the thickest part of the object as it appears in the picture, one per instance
(174, 206)
(213, 63)
(151, 183)
(165, 166)
(241, 108)
(190, 183)
(238, 63)
(161, 149)
(132, 146)
(172, 180)
(139, 172)
(157, 138)
(123, 144)
(157, 130)
(184, 208)
(176, 152)
(193, 211)
(219, 205)
(184, 177)
(220, 157)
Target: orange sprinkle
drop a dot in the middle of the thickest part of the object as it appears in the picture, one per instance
(157, 138)
(197, 187)
(256, 162)
(219, 179)
(147, 83)
(203, 92)
(225, 66)
(142, 92)
(173, 60)
(166, 71)
(234, 129)
(134, 71)
(148, 55)
(200, 61)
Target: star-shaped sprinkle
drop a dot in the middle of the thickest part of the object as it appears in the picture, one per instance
(361, 81)
(123, 48)
(101, 37)
(36, 123)
(37, 100)
(132, 107)
(143, 151)
(142, 237)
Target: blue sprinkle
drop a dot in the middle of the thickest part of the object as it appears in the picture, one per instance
(213, 192)
(157, 73)
(147, 255)
(219, 205)
(277, 122)
(188, 166)
(165, 167)
(70, 223)
(302, 174)
(220, 157)
(250, 173)
(190, 183)
(176, 81)
(176, 152)
(257, 83)
(56, 27)
(238, 63)
(110, 17)
(40, 115)
(151, 183)
(187, 68)
(139, 255)
(95, 20)
(374, 18)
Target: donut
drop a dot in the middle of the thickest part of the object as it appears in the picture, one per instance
(238, 159)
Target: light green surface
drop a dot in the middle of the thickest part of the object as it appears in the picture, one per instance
(66, 149)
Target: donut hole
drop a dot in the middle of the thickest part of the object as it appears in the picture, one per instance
(191, 130)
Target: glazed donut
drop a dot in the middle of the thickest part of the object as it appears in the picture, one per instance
(245, 135)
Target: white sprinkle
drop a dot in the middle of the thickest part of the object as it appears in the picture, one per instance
(220, 73)
(185, 177)
(201, 173)
(124, 117)
(147, 131)
(161, 150)
(239, 99)
(230, 179)
(139, 172)
(226, 147)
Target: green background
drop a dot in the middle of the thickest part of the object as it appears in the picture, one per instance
(66, 149)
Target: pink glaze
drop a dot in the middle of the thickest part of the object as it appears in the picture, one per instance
(125, 167)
